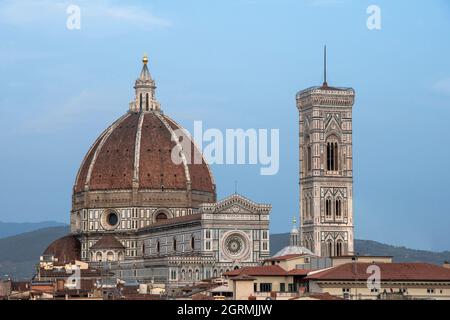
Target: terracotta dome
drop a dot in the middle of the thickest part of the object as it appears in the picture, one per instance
(66, 249)
(130, 163)
(136, 150)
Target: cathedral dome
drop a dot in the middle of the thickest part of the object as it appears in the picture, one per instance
(136, 151)
(134, 154)
(66, 249)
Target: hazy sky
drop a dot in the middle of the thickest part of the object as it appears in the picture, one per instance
(234, 64)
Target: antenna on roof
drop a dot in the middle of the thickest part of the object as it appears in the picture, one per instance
(325, 84)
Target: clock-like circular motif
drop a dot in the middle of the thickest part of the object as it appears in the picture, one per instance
(235, 246)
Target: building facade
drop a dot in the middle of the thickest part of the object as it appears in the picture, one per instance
(326, 175)
(144, 205)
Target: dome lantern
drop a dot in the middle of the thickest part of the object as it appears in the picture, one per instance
(145, 87)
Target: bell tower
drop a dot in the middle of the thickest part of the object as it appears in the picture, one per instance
(326, 174)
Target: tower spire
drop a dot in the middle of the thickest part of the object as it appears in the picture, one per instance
(325, 84)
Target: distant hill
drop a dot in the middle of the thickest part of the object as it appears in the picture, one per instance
(20, 253)
(8, 229)
(368, 247)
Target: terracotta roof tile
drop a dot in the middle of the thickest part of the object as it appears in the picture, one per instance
(66, 249)
(182, 219)
(298, 272)
(114, 164)
(258, 271)
(108, 241)
(285, 257)
(389, 271)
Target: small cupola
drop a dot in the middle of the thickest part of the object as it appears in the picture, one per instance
(145, 88)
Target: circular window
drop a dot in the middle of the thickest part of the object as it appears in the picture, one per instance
(112, 219)
(235, 245)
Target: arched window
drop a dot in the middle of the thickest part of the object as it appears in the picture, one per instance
(110, 256)
(120, 256)
(311, 208)
(140, 102)
(339, 248)
(146, 101)
(329, 248)
(158, 247)
(306, 208)
(328, 208)
(215, 273)
(183, 274)
(174, 243)
(192, 243)
(197, 275)
(309, 158)
(332, 156)
(160, 217)
(190, 274)
(98, 257)
(338, 208)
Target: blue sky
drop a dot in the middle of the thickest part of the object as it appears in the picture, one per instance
(234, 64)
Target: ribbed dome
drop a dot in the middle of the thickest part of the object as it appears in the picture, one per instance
(293, 250)
(135, 152)
(66, 249)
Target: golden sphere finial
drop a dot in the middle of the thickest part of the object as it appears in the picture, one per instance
(145, 58)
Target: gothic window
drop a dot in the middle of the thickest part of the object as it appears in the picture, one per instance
(146, 101)
(332, 156)
(309, 158)
(140, 102)
(110, 256)
(338, 208)
(329, 248)
(311, 208)
(306, 208)
(328, 208)
(338, 248)
(192, 243)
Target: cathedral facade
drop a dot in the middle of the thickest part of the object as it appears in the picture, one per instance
(144, 217)
(326, 174)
